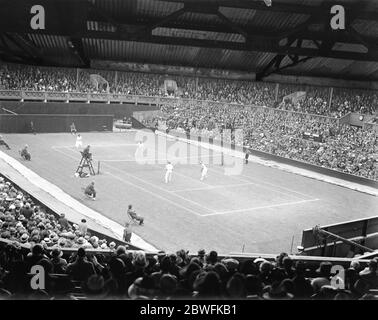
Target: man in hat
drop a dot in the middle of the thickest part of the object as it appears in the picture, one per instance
(3, 143)
(59, 264)
(201, 255)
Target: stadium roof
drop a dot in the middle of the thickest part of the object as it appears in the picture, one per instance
(290, 37)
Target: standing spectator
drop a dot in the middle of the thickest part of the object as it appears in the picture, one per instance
(127, 232)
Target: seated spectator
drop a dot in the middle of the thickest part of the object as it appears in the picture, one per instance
(212, 257)
(302, 287)
(167, 287)
(143, 288)
(324, 275)
(277, 292)
(207, 286)
(26, 211)
(64, 222)
(235, 287)
(370, 275)
(81, 269)
(59, 264)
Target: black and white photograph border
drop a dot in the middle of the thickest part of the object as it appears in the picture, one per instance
(154, 151)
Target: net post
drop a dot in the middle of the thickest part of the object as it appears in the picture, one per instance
(98, 167)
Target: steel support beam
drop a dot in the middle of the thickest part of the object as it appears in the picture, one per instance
(284, 7)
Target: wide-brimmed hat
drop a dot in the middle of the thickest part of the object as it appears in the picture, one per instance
(230, 263)
(201, 252)
(24, 238)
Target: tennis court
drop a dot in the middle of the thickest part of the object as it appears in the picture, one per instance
(260, 209)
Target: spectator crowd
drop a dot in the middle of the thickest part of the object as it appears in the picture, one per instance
(135, 275)
(24, 221)
(345, 148)
(317, 100)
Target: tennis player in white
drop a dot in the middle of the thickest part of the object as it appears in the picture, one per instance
(79, 141)
(139, 150)
(203, 171)
(168, 173)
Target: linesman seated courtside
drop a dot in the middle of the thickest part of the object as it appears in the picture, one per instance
(25, 154)
(133, 215)
(90, 191)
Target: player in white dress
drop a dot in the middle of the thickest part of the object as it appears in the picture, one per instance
(168, 173)
(203, 171)
(79, 141)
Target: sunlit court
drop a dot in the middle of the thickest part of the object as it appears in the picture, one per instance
(237, 207)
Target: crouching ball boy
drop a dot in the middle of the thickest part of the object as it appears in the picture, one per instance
(90, 191)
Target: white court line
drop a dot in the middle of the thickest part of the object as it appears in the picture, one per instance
(257, 184)
(258, 208)
(146, 182)
(162, 189)
(257, 180)
(213, 187)
(97, 145)
(153, 193)
(141, 188)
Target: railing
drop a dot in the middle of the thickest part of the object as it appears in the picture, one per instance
(45, 96)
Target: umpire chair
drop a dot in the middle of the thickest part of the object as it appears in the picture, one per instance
(85, 162)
